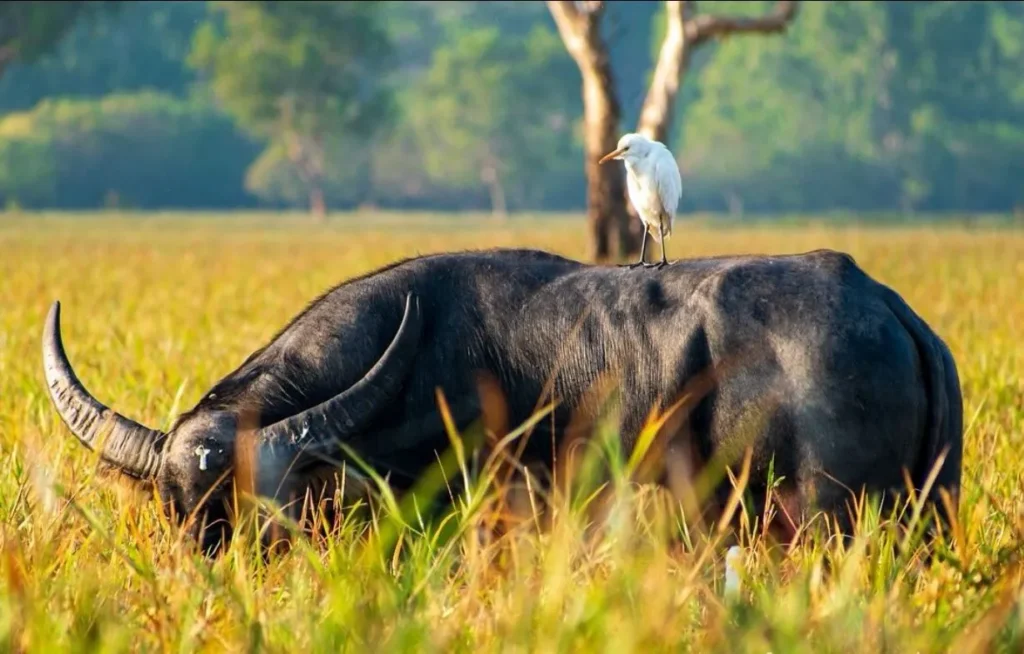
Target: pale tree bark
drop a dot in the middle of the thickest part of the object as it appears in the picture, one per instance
(735, 204)
(317, 173)
(685, 31)
(489, 176)
(579, 26)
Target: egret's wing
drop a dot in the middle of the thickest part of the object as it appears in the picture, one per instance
(635, 191)
(668, 181)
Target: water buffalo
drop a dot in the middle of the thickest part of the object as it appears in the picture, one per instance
(861, 394)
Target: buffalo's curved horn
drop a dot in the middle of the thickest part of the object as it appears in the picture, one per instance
(131, 447)
(349, 412)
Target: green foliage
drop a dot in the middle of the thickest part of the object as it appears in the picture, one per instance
(492, 110)
(27, 171)
(299, 74)
(136, 150)
(274, 179)
(141, 46)
(862, 106)
(31, 29)
(866, 105)
(324, 57)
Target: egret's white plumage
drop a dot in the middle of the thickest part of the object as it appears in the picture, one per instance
(733, 561)
(654, 186)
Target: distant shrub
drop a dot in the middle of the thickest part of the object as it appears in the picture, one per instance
(27, 168)
(146, 149)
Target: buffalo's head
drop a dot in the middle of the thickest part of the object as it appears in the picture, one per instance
(198, 465)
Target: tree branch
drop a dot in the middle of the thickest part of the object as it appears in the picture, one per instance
(568, 20)
(576, 22)
(668, 73)
(579, 27)
(700, 29)
(685, 31)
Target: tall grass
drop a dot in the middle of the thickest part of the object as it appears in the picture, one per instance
(156, 310)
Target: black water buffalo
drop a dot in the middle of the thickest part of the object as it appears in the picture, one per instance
(860, 393)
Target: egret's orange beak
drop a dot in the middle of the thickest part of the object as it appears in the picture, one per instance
(611, 155)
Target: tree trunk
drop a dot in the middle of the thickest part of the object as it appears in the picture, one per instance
(609, 223)
(735, 204)
(490, 177)
(610, 235)
(317, 205)
(307, 155)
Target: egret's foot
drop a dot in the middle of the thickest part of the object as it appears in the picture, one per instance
(631, 266)
(657, 266)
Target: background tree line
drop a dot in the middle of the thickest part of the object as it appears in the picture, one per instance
(864, 106)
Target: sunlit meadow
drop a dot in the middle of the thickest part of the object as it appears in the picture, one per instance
(157, 308)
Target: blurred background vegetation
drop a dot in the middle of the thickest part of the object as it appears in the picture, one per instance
(859, 106)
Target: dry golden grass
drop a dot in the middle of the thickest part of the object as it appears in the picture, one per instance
(157, 308)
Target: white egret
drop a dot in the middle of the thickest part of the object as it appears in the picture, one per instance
(654, 185)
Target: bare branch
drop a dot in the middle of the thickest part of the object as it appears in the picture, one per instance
(571, 27)
(705, 27)
(683, 32)
(591, 7)
(568, 20)
(667, 75)
(577, 23)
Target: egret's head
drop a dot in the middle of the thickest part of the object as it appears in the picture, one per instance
(631, 147)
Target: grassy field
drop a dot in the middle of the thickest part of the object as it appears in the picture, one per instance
(156, 309)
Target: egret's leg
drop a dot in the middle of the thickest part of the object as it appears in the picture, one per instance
(643, 249)
(664, 259)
